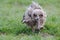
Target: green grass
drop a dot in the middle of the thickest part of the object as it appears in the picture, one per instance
(11, 27)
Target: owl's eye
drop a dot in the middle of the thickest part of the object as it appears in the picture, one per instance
(34, 15)
(41, 15)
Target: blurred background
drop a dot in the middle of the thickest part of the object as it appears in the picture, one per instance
(11, 27)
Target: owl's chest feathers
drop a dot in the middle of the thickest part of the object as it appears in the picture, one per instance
(31, 23)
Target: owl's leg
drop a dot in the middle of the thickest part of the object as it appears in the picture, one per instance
(33, 29)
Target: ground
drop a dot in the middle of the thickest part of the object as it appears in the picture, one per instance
(11, 27)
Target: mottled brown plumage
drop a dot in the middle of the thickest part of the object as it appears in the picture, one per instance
(34, 16)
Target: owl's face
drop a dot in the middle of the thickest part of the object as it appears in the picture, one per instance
(37, 14)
